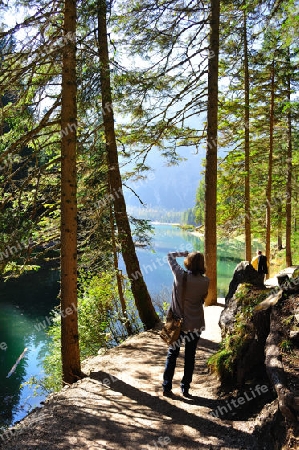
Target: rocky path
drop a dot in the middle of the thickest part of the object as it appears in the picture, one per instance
(120, 404)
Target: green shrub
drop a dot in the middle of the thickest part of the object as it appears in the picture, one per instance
(286, 346)
(100, 324)
(223, 362)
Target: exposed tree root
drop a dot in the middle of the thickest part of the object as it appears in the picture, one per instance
(288, 402)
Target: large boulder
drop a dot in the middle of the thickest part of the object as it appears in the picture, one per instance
(260, 331)
(244, 273)
(244, 334)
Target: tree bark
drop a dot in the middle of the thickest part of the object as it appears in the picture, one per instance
(69, 321)
(279, 224)
(141, 295)
(289, 173)
(122, 299)
(288, 403)
(211, 158)
(270, 165)
(246, 144)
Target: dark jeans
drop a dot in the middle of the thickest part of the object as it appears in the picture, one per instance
(191, 340)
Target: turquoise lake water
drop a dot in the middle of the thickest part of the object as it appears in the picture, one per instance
(167, 238)
(21, 308)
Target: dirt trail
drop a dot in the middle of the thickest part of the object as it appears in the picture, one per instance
(120, 404)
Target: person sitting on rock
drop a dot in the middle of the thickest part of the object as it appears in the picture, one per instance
(260, 263)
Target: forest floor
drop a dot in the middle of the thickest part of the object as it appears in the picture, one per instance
(120, 405)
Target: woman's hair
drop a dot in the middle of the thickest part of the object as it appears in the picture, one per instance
(195, 262)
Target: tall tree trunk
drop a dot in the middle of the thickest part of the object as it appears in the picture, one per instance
(279, 224)
(69, 321)
(142, 298)
(211, 158)
(270, 164)
(122, 299)
(289, 172)
(246, 143)
(295, 199)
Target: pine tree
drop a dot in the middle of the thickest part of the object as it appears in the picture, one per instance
(71, 367)
(142, 298)
(211, 158)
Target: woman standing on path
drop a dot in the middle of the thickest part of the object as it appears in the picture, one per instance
(191, 309)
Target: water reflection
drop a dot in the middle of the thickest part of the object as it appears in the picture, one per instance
(23, 303)
(11, 321)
